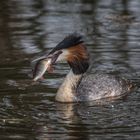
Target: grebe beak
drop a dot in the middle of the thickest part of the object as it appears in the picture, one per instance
(51, 56)
(54, 56)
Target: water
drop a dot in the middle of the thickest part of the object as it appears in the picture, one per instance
(29, 28)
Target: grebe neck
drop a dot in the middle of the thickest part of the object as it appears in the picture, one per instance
(67, 91)
(78, 60)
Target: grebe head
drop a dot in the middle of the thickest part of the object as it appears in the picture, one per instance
(72, 50)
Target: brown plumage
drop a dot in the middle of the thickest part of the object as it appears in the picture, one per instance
(77, 53)
(78, 58)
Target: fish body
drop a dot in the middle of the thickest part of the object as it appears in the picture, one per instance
(40, 68)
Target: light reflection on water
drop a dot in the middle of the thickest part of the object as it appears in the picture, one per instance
(29, 28)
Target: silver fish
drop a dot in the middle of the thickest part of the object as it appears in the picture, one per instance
(40, 68)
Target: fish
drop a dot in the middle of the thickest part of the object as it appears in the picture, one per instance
(41, 67)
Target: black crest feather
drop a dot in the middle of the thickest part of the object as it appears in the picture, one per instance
(69, 41)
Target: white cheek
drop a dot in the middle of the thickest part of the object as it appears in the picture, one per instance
(63, 56)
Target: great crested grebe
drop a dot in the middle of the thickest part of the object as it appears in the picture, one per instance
(79, 86)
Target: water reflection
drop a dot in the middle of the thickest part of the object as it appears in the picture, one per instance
(85, 121)
(29, 27)
(22, 24)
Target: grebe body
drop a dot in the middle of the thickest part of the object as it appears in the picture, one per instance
(89, 87)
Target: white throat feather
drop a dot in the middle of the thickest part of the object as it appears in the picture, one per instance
(67, 91)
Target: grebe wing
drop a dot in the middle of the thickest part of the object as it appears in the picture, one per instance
(98, 86)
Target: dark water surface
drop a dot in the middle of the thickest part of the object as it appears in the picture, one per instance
(30, 27)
